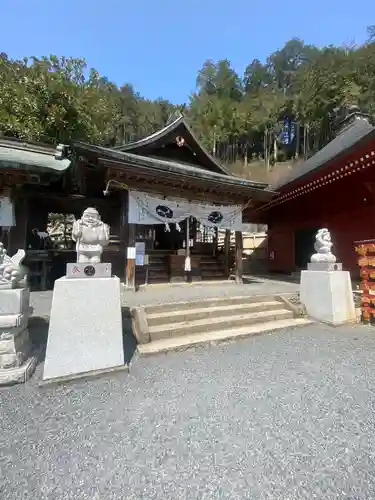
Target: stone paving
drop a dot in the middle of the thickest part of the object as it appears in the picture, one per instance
(159, 294)
(282, 416)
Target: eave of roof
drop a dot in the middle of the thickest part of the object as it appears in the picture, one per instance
(360, 131)
(160, 134)
(19, 155)
(258, 189)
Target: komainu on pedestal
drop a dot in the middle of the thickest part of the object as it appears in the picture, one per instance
(85, 330)
(326, 289)
(16, 360)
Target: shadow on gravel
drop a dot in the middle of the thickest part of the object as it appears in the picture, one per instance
(128, 339)
(38, 331)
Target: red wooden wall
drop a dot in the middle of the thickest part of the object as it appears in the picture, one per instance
(346, 207)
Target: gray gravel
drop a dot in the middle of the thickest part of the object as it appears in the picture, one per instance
(282, 416)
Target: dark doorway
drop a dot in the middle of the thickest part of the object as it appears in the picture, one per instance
(304, 240)
(169, 240)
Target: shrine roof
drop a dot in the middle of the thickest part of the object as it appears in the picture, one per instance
(178, 127)
(19, 154)
(184, 171)
(360, 132)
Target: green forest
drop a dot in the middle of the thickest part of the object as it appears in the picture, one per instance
(280, 110)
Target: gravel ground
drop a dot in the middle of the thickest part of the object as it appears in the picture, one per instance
(284, 416)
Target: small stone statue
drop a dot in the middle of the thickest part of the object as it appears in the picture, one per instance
(323, 245)
(11, 270)
(90, 235)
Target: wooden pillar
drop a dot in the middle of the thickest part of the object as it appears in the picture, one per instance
(239, 252)
(129, 233)
(123, 233)
(227, 252)
(130, 261)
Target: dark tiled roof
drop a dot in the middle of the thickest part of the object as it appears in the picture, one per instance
(256, 189)
(180, 127)
(360, 131)
(14, 152)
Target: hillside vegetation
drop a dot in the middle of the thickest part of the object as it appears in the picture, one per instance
(277, 112)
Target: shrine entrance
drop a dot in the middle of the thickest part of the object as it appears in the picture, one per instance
(304, 240)
(169, 240)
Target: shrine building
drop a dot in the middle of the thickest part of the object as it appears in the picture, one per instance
(334, 189)
(165, 198)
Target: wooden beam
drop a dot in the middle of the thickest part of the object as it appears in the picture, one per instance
(239, 255)
(177, 189)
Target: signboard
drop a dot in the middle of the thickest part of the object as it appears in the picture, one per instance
(86, 270)
(6, 212)
(140, 249)
(131, 253)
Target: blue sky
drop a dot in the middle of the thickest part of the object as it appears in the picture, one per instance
(159, 45)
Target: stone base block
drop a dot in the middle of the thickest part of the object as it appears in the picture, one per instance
(15, 347)
(85, 329)
(324, 266)
(14, 301)
(328, 296)
(19, 374)
(12, 322)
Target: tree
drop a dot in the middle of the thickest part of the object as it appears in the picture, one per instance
(256, 77)
(57, 99)
(371, 33)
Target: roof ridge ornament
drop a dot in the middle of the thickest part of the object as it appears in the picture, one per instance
(180, 141)
(176, 115)
(61, 152)
(346, 115)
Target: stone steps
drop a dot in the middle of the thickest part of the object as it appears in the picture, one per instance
(209, 302)
(175, 343)
(211, 318)
(162, 318)
(212, 323)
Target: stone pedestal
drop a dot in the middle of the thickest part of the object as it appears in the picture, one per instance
(85, 329)
(328, 296)
(17, 363)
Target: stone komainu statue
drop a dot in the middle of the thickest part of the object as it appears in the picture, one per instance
(323, 246)
(11, 270)
(91, 236)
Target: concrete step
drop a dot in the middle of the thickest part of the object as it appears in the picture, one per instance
(157, 272)
(212, 262)
(212, 323)
(210, 302)
(213, 270)
(165, 318)
(157, 281)
(213, 276)
(175, 343)
(157, 260)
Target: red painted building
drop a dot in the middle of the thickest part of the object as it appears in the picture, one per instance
(335, 189)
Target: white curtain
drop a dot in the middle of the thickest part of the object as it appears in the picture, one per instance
(149, 209)
(6, 212)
